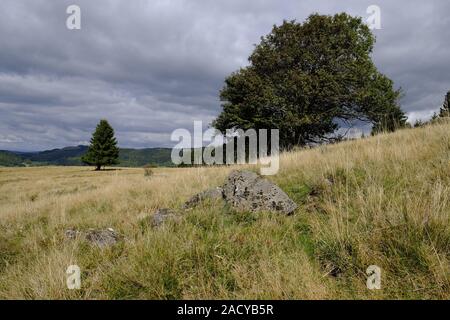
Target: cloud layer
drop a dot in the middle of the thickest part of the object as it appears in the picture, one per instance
(150, 67)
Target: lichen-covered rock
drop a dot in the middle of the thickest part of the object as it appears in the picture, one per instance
(162, 215)
(98, 237)
(246, 191)
(211, 194)
(102, 238)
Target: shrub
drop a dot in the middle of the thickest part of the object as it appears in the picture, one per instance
(148, 172)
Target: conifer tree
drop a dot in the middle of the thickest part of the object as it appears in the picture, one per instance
(103, 149)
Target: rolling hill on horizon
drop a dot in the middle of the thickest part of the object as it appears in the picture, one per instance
(71, 156)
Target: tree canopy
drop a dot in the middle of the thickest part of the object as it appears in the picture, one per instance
(103, 148)
(308, 79)
(445, 110)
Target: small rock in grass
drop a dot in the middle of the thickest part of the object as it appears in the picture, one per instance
(102, 238)
(162, 215)
(211, 194)
(99, 237)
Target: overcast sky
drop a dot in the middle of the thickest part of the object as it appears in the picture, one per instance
(150, 67)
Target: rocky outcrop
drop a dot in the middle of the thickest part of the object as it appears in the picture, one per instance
(98, 237)
(246, 191)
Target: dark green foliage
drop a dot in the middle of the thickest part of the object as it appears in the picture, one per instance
(445, 110)
(9, 159)
(141, 157)
(392, 119)
(306, 78)
(103, 149)
(434, 117)
(419, 123)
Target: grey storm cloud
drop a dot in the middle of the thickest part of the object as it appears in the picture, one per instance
(150, 67)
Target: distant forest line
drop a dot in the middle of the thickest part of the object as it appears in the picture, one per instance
(71, 156)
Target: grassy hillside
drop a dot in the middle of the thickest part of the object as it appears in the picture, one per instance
(383, 201)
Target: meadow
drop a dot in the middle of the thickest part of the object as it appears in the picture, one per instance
(382, 200)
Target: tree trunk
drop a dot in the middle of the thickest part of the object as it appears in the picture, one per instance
(98, 168)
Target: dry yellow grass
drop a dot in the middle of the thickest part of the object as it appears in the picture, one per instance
(383, 200)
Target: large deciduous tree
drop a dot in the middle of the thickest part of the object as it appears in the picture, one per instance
(103, 150)
(307, 79)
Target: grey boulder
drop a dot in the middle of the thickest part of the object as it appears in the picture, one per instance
(246, 191)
